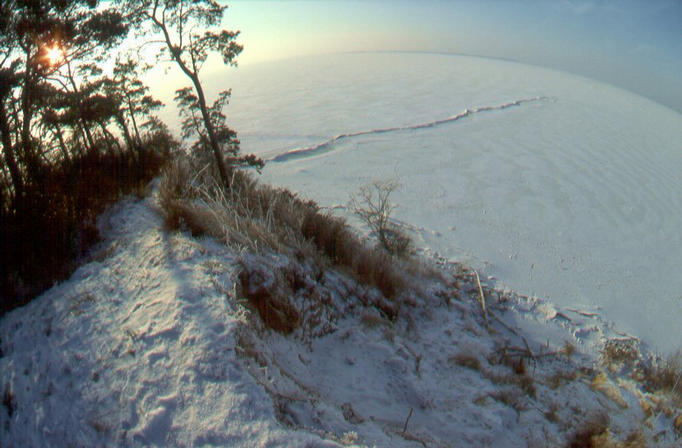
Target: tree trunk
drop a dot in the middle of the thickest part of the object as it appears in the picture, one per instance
(88, 135)
(62, 144)
(215, 146)
(211, 132)
(138, 139)
(126, 133)
(29, 156)
(83, 124)
(8, 153)
(110, 137)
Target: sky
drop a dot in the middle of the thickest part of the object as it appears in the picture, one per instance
(636, 45)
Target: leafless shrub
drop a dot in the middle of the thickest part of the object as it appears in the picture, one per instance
(664, 374)
(373, 206)
(287, 297)
(620, 352)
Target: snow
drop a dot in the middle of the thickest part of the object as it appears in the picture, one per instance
(573, 194)
(137, 348)
(151, 343)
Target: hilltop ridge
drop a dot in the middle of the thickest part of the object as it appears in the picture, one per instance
(155, 342)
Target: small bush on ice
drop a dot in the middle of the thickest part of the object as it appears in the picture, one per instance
(373, 206)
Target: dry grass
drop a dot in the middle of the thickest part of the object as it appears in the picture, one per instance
(511, 397)
(8, 400)
(620, 352)
(591, 432)
(665, 375)
(602, 384)
(523, 381)
(262, 217)
(552, 414)
(561, 377)
(466, 360)
(372, 320)
(594, 433)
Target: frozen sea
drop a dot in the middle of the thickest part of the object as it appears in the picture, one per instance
(555, 185)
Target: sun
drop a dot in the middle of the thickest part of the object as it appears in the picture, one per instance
(54, 54)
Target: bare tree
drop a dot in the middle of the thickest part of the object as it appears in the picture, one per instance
(187, 29)
(372, 205)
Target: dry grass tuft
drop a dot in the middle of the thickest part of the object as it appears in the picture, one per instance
(552, 414)
(466, 360)
(561, 377)
(271, 301)
(8, 400)
(592, 432)
(602, 384)
(595, 433)
(262, 217)
(620, 352)
(372, 320)
(664, 374)
(510, 397)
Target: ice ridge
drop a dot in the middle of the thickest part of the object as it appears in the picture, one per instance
(326, 145)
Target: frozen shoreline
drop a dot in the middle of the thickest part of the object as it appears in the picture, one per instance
(575, 199)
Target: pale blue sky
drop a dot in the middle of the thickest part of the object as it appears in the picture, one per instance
(636, 45)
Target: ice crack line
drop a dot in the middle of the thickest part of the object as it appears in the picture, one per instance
(321, 147)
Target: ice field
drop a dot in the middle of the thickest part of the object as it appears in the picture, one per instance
(556, 185)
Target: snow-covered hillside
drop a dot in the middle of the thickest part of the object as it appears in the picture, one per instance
(152, 343)
(564, 189)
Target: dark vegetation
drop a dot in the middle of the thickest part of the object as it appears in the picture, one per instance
(77, 134)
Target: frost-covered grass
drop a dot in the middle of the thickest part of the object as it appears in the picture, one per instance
(259, 216)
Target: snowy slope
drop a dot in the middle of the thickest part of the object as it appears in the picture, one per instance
(137, 349)
(150, 344)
